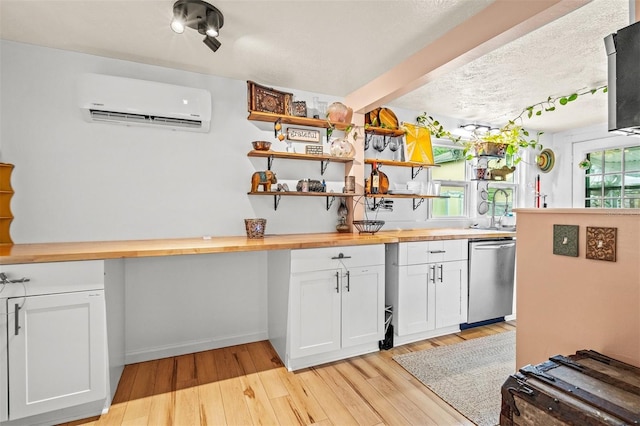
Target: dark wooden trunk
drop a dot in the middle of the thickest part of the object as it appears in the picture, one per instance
(586, 388)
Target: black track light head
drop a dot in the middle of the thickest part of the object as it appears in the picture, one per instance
(201, 16)
(212, 43)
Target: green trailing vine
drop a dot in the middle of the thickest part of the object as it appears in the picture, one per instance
(512, 135)
(550, 104)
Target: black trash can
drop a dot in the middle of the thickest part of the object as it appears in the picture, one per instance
(387, 343)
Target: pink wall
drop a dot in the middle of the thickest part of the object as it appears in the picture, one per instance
(564, 303)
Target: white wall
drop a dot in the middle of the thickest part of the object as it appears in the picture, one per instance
(91, 181)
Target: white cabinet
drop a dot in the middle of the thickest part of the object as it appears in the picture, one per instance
(315, 312)
(450, 293)
(57, 351)
(54, 345)
(426, 282)
(335, 305)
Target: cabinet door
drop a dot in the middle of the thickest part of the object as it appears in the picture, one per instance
(57, 351)
(362, 305)
(414, 312)
(450, 293)
(315, 312)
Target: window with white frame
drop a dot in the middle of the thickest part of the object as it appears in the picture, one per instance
(451, 174)
(612, 178)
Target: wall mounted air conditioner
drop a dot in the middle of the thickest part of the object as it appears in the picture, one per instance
(119, 100)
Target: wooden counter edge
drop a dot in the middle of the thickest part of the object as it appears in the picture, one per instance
(128, 249)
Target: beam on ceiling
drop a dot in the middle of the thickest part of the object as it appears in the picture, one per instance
(499, 23)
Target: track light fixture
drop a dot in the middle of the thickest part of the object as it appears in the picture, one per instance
(476, 127)
(202, 17)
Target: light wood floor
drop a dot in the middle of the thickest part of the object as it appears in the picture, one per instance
(247, 385)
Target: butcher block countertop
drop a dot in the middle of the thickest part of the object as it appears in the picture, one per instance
(96, 250)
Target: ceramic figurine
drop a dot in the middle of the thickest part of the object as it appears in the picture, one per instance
(266, 179)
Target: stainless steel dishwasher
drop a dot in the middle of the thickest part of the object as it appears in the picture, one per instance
(491, 280)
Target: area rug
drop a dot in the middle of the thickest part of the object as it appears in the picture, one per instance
(467, 375)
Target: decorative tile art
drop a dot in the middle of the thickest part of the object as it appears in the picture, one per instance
(601, 243)
(565, 240)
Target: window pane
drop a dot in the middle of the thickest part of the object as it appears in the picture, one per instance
(593, 202)
(632, 183)
(612, 185)
(631, 203)
(451, 161)
(596, 163)
(613, 160)
(452, 206)
(632, 159)
(612, 203)
(594, 182)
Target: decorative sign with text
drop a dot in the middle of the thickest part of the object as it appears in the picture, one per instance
(303, 135)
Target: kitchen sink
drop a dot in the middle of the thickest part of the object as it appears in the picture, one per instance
(495, 228)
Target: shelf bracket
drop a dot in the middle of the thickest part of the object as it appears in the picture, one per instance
(415, 173)
(415, 206)
(269, 161)
(330, 200)
(276, 201)
(323, 166)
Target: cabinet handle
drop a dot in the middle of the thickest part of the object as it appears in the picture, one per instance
(340, 256)
(440, 267)
(437, 251)
(337, 282)
(16, 313)
(348, 280)
(433, 273)
(5, 280)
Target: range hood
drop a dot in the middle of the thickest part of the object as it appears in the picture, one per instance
(623, 51)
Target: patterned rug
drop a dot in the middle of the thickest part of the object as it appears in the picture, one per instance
(467, 375)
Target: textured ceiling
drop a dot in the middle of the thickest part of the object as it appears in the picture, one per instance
(335, 47)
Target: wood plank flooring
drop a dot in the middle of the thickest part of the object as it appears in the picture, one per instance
(247, 385)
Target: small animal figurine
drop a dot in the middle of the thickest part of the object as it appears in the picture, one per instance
(501, 173)
(265, 178)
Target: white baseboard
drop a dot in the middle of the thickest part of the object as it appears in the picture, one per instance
(410, 338)
(149, 354)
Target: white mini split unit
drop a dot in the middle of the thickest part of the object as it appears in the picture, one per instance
(118, 100)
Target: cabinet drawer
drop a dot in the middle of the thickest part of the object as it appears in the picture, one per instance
(432, 251)
(54, 277)
(318, 259)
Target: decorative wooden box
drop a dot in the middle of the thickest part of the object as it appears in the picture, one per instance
(586, 388)
(267, 99)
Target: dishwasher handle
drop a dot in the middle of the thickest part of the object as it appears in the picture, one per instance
(494, 246)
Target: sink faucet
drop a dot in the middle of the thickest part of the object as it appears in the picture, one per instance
(493, 207)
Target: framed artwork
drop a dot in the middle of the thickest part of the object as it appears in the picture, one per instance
(418, 144)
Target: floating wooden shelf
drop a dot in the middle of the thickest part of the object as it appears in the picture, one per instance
(296, 156)
(300, 121)
(304, 194)
(383, 131)
(399, 163)
(404, 196)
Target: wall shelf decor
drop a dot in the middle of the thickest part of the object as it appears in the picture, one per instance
(6, 193)
(565, 240)
(601, 243)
